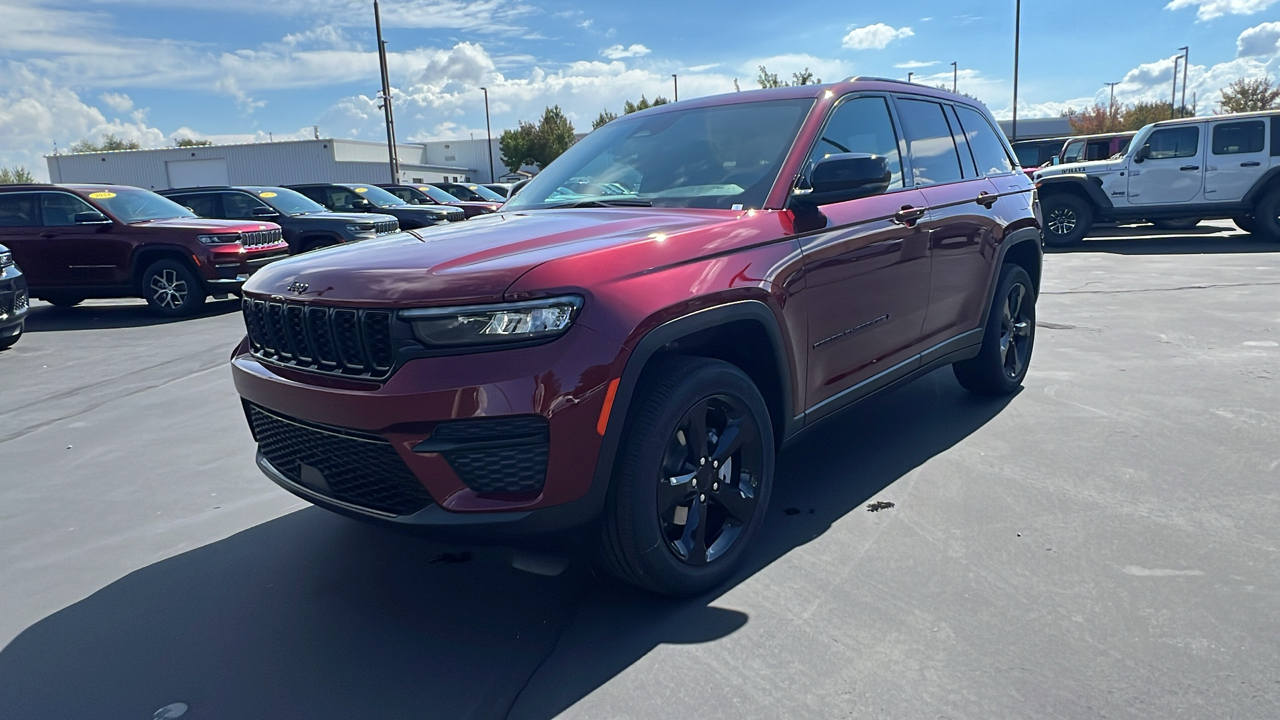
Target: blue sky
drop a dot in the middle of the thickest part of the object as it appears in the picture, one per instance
(237, 70)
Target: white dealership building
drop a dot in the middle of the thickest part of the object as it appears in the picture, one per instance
(280, 163)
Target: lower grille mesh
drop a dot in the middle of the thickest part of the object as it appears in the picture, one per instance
(351, 467)
(519, 468)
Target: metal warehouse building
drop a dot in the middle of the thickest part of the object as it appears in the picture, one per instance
(277, 163)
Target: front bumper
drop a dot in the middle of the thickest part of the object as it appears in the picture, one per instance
(15, 302)
(227, 270)
(409, 426)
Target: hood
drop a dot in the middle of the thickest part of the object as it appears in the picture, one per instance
(1093, 167)
(475, 203)
(208, 224)
(469, 262)
(347, 217)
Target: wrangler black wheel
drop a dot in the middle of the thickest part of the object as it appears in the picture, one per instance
(692, 478)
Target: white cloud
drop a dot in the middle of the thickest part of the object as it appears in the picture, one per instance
(1260, 40)
(1210, 9)
(117, 101)
(702, 68)
(617, 52)
(828, 69)
(913, 64)
(874, 37)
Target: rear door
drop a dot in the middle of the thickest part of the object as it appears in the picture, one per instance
(20, 229)
(867, 271)
(1238, 158)
(1173, 171)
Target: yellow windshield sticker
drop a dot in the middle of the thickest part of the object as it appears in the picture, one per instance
(268, 193)
(102, 195)
(422, 189)
(362, 189)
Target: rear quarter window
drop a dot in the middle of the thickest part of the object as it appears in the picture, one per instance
(1234, 138)
(988, 150)
(18, 210)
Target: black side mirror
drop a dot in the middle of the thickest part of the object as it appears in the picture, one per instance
(846, 176)
(91, 217)
(263, 211)
(361, 204)
(1143, 153)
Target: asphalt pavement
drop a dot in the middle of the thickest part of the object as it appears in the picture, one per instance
(1106, 543)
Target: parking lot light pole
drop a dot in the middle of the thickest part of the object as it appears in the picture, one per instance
(1186, 70)
(909, 76)
(386, 97)
(955, 77)
(675, 84)
(1017, 38)
(1111, 105)
(1173, 100)
(488, 133)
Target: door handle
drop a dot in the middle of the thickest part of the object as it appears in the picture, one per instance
(1189, 167)
(1251, 163)
(986, 199)
(48, 235)
(908, 215)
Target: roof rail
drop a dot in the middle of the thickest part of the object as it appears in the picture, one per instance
(856, 78)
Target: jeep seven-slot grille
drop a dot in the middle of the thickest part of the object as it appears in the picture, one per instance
(261, 237)
(383, 227)
(353, 467)
(343, 341)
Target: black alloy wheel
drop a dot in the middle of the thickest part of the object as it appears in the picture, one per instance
(1001, 363)
(710, 480)
(691, 479)
(64, 301)
(1067, 219)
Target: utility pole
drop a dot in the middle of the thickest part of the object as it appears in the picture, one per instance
(1111, 105)
(1186, 70)
(488, 133)
(955, 77)
(1173, 101)
(386, 97)
(675, 83)
(1017, 38)
(909, 76)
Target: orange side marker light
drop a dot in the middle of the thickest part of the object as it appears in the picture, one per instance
(609, 394)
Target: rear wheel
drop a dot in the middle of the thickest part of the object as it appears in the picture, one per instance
(1067, 219)
(1177, 223)
(692, 479)
(1266, 216)
(1001, 363)
(1244, 222)
(171, 289)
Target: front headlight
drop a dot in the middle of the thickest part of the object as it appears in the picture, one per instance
(6, 259)
(224, 239)
(492, 324)
(360, 228)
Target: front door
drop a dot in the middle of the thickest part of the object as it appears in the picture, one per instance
(866, 273)
(1238, 157)
(1173, 169)
(92, 254)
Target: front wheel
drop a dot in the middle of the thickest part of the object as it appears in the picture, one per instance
(1001, 363)
(692, 479)
(171, 289)
(1067, 219)
(1266, 216)
(64, 301)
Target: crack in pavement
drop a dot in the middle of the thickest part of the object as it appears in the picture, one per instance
(1145, 290)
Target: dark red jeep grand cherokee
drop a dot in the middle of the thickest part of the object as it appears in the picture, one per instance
(635, 360)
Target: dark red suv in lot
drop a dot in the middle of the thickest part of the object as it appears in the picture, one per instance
(632, 362)
(104, 241)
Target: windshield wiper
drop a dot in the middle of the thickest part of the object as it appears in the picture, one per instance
(624, 202)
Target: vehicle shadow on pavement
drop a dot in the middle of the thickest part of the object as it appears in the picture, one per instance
(92, 316)
(1166, 243)
(315, 616)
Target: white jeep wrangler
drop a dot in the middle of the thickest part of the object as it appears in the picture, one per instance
(1174, 174)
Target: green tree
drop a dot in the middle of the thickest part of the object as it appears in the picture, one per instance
(109, 142)
(539, 144)
(17, 175)
(629, 107)
(768, 80)
(1094, 119)
(191, 142)
(516, 146)
(804, 77)
(604, 118)
(1250, 95)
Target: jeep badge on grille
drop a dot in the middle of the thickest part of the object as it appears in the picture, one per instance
(298, 287)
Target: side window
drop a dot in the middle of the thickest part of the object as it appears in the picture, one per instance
(1073, 152)
(404, 195)
(18, 210)
(988, 151)
(934, 159)
(1097, 150)
(967, 167)
(1233, 138)
(239, 206)
(1174, 142)
(1275, 136)
(340, 198)
(862, 125)
(59, 209)
(203, 204)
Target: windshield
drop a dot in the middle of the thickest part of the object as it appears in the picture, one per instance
(377, 196)
(1028, 155)
(480, 193)
(726, 156)
(288, 202)
(436, 194)
(133, 205)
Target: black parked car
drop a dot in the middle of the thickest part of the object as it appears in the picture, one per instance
(471, 192)
(13, 300)
(357, 197)
(306, 223)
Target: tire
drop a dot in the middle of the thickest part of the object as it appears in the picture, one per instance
(1177, 224)
(1067, 219)
(8, 342)
(684, 538)
(1002, 362)
(171, 289)
(1266, 216)
(64, 301)
(1244, 222)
